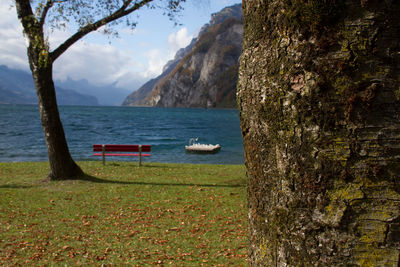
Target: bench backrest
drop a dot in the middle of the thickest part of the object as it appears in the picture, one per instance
(121, 148)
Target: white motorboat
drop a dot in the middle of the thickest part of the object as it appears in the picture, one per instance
(201, 148)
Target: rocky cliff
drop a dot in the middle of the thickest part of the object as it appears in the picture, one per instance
(204, 74)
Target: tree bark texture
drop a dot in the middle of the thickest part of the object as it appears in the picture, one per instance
(319, 102)
(62, 165)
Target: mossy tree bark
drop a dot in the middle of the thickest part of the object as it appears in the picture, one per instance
(319, 101)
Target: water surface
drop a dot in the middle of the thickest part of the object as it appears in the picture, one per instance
(168, 130)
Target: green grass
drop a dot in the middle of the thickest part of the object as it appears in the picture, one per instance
(158, 214)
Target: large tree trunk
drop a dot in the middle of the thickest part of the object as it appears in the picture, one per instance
(319, 100)
(62, 165)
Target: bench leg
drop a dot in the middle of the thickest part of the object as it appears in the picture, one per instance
(103, 154)
(140, 155)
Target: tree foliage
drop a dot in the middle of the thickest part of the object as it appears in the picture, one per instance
(88, 16)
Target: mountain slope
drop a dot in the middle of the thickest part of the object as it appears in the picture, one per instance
(204, 74)
(17, 87)
(107, 95)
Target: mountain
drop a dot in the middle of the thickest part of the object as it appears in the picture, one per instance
(204, 74)
(108, 95)
(17, 87)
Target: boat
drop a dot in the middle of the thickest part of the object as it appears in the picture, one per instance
(201, 148)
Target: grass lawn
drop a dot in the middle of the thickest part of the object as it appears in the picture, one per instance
(158, 214)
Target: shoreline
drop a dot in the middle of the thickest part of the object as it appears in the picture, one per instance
(125, 162)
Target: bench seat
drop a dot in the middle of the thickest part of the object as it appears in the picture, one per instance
(120, 154)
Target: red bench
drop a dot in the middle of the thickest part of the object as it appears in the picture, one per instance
(104, 149)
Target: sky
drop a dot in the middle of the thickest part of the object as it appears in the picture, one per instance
(128, 61)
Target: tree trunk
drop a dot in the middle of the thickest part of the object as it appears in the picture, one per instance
(319, 101)
(62, 166)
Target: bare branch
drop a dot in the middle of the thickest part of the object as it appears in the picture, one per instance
(46, 9)
(121, 12)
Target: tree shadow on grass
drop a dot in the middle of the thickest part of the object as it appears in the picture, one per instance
(149, 165)
(15, 186)
(144, 165)
(94, 179)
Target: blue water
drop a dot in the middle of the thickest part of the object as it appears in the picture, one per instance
(168, 130)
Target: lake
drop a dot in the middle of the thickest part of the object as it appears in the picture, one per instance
(168, 130)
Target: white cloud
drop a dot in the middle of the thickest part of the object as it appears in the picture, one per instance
(94, 61)
(12, 43)
(179, 39)
(156, 60)
(99, 64)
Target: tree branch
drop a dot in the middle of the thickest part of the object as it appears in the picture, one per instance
(121, 12)
(46, 9)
